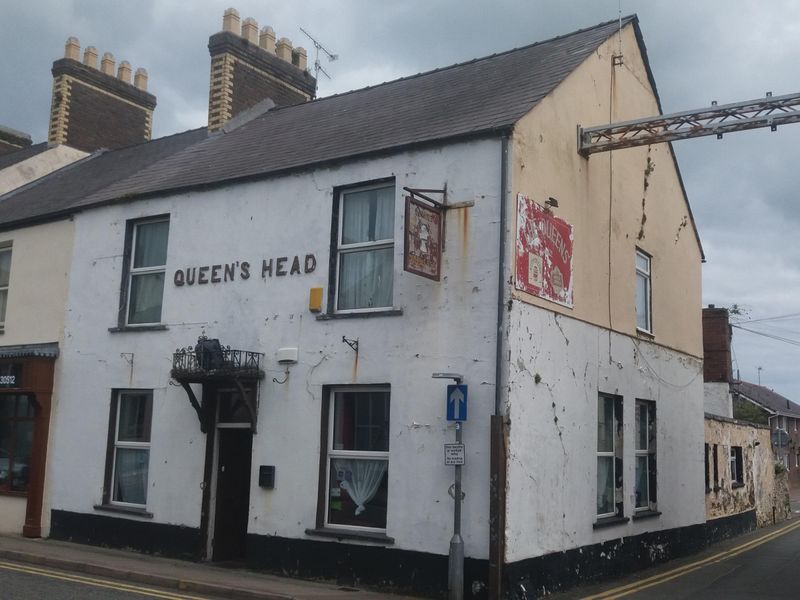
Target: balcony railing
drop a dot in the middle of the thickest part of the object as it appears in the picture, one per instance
(208, 359)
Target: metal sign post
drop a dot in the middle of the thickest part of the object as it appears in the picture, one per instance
(456, 410)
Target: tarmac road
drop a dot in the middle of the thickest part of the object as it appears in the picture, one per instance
(20, 581)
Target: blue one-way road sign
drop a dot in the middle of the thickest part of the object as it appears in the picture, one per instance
(457, 402)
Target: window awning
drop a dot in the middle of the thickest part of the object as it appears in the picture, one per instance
(49, 350)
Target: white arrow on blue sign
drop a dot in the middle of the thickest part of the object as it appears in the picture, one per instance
(457, 402)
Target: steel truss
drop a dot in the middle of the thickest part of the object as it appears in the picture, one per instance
(769, 111)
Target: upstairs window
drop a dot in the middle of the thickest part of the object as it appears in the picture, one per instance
(5, 275)
(643, 292)
(148, 260)
(365, 249)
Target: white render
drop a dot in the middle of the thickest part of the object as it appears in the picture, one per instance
(717, 399)
(558, 366)
(445, 326)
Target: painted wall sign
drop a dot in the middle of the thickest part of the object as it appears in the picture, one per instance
(423, 247)
(544, 253)
(11, 375)
(242, 269)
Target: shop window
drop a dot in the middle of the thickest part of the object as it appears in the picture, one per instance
(145, 267)
(364, 249)
(609, 456)
(5, 276)
(357, 461)
(643, 292)
(16, 440)
(737, 466)
(646, 481)
(128, 457)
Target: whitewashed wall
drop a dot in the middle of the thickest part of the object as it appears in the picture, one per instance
(446, 326)
(717, 399)
(552, 475)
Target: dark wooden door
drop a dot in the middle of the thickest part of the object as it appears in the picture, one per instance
(233, 493)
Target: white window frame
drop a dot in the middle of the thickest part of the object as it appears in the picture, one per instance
(646, 275)
(6, 247)
(611, 454)
(357, 454)
(132, 271)
(128, 445)
(733, 470)
(347, 248)
(645, 405)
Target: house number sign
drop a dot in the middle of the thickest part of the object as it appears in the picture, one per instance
(281, 266)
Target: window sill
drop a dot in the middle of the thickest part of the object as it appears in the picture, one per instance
(736, 485)
(389, 312)
(137, 328)
(646, 514)
(609, 522)
(341, 534)
(127, 510)
(645, 334)
(13, 493)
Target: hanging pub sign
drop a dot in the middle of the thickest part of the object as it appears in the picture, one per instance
(10, 375)
(423, 243)
(544, 253)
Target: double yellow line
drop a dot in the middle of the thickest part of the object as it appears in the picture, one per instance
(638, 586)
(101, 583)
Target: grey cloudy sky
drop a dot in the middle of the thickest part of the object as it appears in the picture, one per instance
(743, 189)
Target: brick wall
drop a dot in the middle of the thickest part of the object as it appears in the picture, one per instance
(716, 345)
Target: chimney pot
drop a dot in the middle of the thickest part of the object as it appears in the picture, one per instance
(124, 71)
(284, 49)
(107, 64)
(300, 58)
(140, 79)
(90, 57)
(250, 30)
(72, 48)
(267, 39)
(230, 21)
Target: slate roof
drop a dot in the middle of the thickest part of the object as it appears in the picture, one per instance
(58, 193)
(12, 158)
(482, 97)
(767, 398)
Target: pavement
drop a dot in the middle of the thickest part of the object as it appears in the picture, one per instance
(185, 576)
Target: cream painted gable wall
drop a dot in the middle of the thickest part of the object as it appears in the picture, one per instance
(37, 290)
(646, 206)
(37, 166)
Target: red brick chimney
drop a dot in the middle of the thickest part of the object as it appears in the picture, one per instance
(716, 345)
(95, 108)
(248, 67)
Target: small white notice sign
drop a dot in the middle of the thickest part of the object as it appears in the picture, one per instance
(454, 454)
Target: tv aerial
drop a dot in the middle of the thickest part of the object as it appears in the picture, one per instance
(317, 66)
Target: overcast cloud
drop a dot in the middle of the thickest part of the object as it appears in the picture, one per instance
(743, 189)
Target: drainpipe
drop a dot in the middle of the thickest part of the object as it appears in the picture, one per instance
(497, 458)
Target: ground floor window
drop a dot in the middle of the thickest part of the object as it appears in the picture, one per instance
(16, 441)
(609, 456)
(129, 447)
(646, 484)
(737, 466)
(357, 458)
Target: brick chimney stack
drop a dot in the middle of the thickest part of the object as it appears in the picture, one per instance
(248, 66)
(716, 345)
(95, 108)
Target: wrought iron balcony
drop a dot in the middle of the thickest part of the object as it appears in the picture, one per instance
(208, 360)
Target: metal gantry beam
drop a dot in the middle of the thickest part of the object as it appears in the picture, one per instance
(769, 111)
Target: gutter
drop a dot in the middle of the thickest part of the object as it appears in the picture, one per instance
(497, 443)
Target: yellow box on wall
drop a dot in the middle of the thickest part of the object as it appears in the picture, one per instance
(315, 299)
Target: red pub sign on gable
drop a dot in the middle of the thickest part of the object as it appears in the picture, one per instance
(544, 253)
